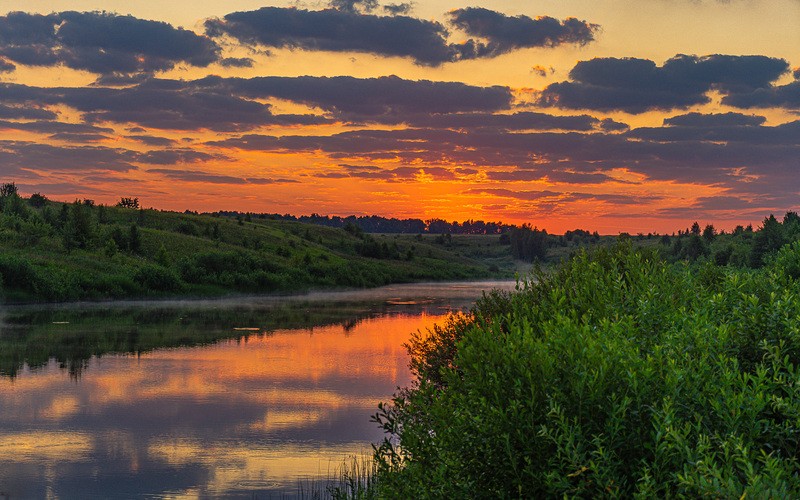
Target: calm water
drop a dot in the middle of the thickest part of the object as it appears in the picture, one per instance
(196, 399)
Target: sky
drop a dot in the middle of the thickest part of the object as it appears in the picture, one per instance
(607, 115)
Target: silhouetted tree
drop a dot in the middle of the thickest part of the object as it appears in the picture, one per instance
(709, 233)
(134, 239)
(128, 203)
(37, 200)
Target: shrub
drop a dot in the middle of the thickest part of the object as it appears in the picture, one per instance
(158, 278)
(615, 375)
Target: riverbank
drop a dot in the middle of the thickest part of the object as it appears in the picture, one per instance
(61, 252)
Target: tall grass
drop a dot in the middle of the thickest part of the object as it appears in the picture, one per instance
(354, 479)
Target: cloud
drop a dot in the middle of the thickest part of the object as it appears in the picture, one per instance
(6, 66)
(346, 28)
(397, 9)
(237, 62)
(563, 197)
(53, 127)
(232, 104)
(77, 138)
(368, 98)
(18, 156)
(750, 158)
(782, 96)
(506, 33)
(522, 120)
(725, 130)
(205, 177)
(175, 156)
(151, 140)
(354, 5)
(25, 113)
(638, 85)
(338, 31)
(159, 104)
(101, 42)
(715, 120)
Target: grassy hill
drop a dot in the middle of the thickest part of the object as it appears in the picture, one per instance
(53, 251)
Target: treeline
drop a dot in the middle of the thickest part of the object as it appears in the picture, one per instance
(618, 374)
(378, 224)
(742, 247)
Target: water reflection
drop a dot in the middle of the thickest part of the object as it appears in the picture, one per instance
(188, 405)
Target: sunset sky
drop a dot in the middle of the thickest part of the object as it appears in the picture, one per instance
(607, 115)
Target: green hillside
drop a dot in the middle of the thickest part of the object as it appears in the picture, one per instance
(53, 251)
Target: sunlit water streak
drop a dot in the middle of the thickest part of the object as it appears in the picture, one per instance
(255, 413)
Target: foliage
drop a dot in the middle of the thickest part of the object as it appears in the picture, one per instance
(132, 203)
(53, 251)
(618, 374)
(529, 244)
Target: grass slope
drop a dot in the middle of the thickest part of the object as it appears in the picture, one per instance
(62, 252)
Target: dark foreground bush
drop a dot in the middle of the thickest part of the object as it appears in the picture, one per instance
(617, 375)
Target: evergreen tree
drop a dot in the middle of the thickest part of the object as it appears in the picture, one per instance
(134, 239)
(767, 240)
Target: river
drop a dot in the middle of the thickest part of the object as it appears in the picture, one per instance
(247, 397)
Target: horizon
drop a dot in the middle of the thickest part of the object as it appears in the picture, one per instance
(612, 117)
(298, 216)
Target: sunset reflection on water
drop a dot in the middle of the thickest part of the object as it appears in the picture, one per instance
(259, 413)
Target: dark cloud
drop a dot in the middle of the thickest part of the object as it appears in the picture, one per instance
(553, 175)
(25, 113)
(788, 133)
(715, 120)
(237, 62)
(339, 31)
(354, 5)
(21, 156)
(101, 42)
(397, 9)
(782, 96)
(231, 104)
(52, 127)
(194, 176)
(397, 174)
(723, 203)
(506, 33)
(151, 140)
(564, 197)
(523, 120)
(368, 98)
(6, 66)
(638, 85)
(205, 177)
(346, 28)
(121, 79)
(159, 104)
(609, 125)
(176, 156)
(77, 138)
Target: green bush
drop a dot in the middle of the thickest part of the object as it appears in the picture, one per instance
(615, 375)
(157, 277)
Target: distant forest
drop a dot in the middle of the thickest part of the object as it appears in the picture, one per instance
(378, 224)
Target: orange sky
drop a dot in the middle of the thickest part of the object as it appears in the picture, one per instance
(605, 115)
